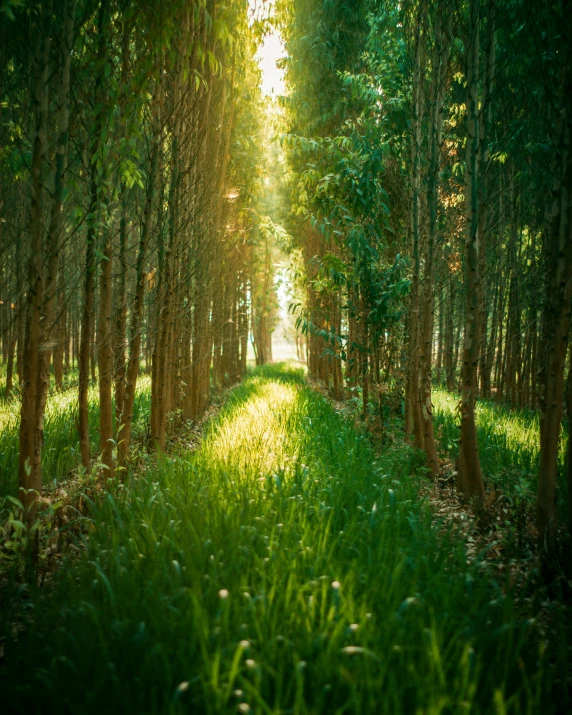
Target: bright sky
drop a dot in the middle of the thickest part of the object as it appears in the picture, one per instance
(272, 84)
(271, 50)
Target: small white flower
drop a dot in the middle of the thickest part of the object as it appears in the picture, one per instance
(223, 593)
(336, 585)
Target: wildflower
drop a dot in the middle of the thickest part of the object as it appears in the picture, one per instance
(223, 593)
(244, 644)
(354, 627)
(244, 708)
(336, 585)
(250, 663)
(182, 687)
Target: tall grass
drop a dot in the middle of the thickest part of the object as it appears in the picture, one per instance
(509, 445)
(61, 451)
(281, 568)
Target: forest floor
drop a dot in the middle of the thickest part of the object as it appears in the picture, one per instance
(283, 564)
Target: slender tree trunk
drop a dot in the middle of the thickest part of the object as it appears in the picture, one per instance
(120, 317)
(120, 322)
(556, 314)
(414, 411)
(29, 465)
(569, 450)
(10, 366)
(105, 357)
(87, 323)
(47, 345)
(440, 62)
(483, 198)
(469, 477)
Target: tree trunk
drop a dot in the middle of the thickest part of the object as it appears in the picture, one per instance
(569, 451)
(556, 314)
(105, 357)
(484, 169)
(415, 427)
(47, 343)
(469, 477)
(29, 464)
(87, 325)
(440, 62)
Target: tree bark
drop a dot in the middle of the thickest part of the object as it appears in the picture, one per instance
(29, 463)
(47, 343)
(556, 313)
(469, 476)
(439, 69)
(414, 423)
(484, 170)
(87, 325)
(105, 357)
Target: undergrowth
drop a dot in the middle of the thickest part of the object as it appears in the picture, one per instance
(509, 448)
(61, 452)
(282, 567)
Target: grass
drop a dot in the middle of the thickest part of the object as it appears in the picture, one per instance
(283, 567)
(61, 451)
(509, 446)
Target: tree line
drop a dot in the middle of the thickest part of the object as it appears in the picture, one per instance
(428, 144)
(130, 166)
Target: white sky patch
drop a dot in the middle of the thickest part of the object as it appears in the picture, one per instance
(269, 53)
(283, 290)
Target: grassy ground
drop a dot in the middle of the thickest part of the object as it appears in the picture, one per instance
(283, 567)
(61, 443)
(509, 447)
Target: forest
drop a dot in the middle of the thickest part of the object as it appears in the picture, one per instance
(285, 356)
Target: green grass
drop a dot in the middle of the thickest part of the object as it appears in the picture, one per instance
(509, 446)
(69, 382)
(281, 568)
(61, 452)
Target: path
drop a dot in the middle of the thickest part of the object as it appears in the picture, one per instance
(280, 568)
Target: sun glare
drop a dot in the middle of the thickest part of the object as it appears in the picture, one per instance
(270, 52)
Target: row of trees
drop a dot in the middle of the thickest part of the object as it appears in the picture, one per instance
(425, 140)
(129, 166)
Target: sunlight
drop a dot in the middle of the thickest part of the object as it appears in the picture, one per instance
(256, 436)
(270, 52)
